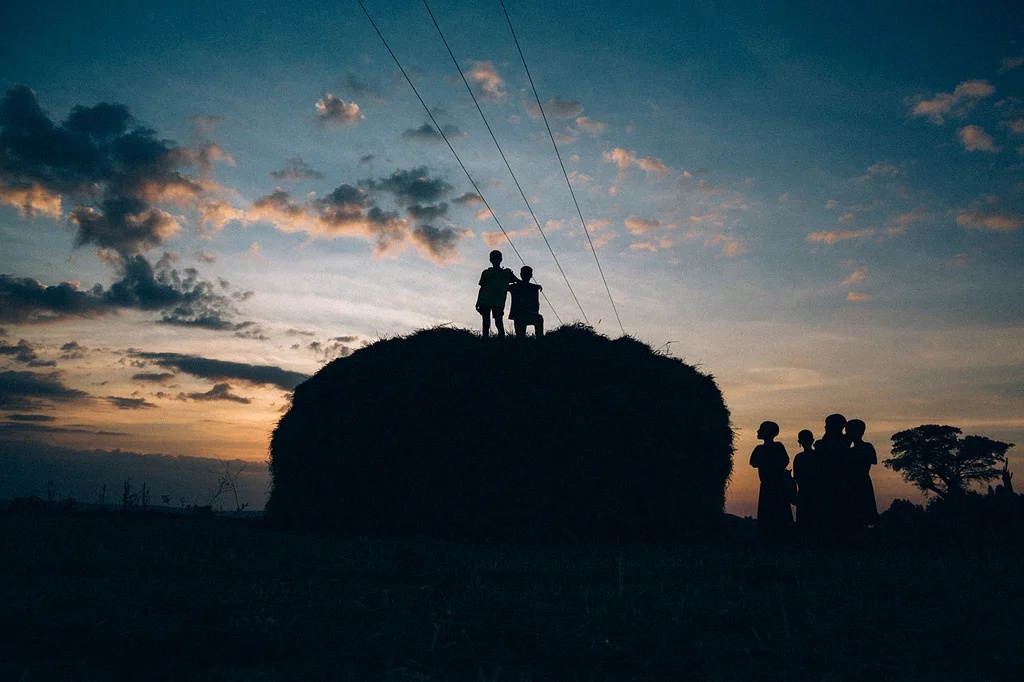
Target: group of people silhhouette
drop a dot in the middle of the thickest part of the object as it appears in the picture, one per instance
(830, 484)
(496, 283)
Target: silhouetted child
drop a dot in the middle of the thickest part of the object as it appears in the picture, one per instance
(862, 493)
(490, 301)
(833, 450)
(774, 516)
(525, 309)
(807, 473)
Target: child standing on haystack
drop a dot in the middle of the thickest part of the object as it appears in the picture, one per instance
(525, 309)
(490, 301)
(774, 517)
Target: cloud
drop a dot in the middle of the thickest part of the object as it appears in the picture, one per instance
(223, 370)
(1011, 63)
(296, 170)
(641, 225)
(643, 246)
(832, 236)
(129, 403)
(362, 88)
(337, 347)
(855, 296)
(24, 353)
(557, 108)
(846, 218)
(154, 377)
(966, 95)
(28, 391)
(626, 159)
(409, 186)
(205, 257)
(218, 392)
(730, 246)
(350, 211)
(489, 84)
(31, 418)
(72, 350)
(1015, 126)
(112, 170)
(591, 126)
(881, 169)
(182, 297)
(858, 275)
(974, 139)
(995, 222)
(331, 109)
(468, 199)
(830, 204)
(429, 133)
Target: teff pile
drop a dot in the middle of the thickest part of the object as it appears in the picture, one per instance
(570, 437)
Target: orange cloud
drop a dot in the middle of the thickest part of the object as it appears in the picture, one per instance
(31, 200)
(964, 96)
(832, 236)
(626, 159)
(641, 225)
(643, 246)
(975, 139)
(855, 296)
(995, 222)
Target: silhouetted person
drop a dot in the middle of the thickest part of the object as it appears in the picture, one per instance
(490, 301)
(525, 309)
(833, 450)
(808, 476)
(862, 493)
(774, 516)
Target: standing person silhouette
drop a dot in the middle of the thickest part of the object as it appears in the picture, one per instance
(490, 301)
(862, 492)
(525, 308)
(774, 517)
(807, 473)
(833, 451)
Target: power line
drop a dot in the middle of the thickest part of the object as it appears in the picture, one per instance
(440, 130)
(560, 163)
(503, 158)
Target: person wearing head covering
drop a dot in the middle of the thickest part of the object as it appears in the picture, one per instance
(490, 300)
(774, 516)
(808, 477)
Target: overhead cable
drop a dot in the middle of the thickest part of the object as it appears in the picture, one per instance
(503, 158)
(560, 163)
(440, 130)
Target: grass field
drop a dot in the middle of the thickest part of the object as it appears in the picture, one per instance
(179, 597)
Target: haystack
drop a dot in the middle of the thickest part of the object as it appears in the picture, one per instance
(572, 437)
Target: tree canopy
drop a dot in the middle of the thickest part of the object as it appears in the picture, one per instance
(937, 460)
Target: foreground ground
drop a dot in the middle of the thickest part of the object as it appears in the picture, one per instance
(115, 596)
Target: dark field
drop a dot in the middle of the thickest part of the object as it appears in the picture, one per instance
(152, 597)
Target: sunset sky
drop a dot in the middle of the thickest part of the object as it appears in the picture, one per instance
(202, 202)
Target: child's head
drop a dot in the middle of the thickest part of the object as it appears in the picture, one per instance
(855, 429)
(495, 258)
(805, 438)
(525, 273)
(834, 423)
(767, 430)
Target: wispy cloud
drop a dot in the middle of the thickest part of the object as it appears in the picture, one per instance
(223, 370)
(832, 236)
(296, 170)
(626, 159)
(943, 104)
(641, 225)
(994, 222)
(557, 108)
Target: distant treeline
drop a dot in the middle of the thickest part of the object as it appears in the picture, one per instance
(93, 476)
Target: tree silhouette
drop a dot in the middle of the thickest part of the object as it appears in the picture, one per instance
(936, 460)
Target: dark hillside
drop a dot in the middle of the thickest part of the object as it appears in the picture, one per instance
(571, 437)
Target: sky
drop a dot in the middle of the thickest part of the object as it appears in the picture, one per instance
(202, 203)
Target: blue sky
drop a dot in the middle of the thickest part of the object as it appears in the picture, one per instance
(821, 205)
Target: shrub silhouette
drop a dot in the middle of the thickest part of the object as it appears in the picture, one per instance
(570, 437)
